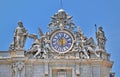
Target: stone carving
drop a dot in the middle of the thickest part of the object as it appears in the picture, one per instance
(12, 46)
(20, 65)
(33, 36)
(61, 20)
(40, 46)
(14, 70)
(20, 35)
(47, 45)
(80, 44)
(83, 55)
(101, 39)
(17, 68)
(91, 45)
(40, 32)
(80, 35)
(84, 45)
(37, 50)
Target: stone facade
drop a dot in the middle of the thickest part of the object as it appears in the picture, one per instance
(60, 52)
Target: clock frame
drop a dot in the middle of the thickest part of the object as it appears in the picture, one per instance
(61, 41)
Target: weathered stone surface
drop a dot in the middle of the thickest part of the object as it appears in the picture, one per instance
(61, 52)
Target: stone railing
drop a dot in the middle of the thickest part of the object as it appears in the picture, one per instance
(4, 54)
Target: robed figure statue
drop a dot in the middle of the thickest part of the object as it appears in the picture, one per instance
(101, 39)
(20, 36)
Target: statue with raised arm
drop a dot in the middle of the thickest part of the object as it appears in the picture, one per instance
(20, 35)
(101, 39)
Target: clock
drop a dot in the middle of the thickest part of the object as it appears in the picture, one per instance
(62, 41)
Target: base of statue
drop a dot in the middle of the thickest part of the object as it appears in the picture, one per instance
(20, 52)
(17, 52)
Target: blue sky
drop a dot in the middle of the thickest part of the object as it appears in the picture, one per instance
(86, 13)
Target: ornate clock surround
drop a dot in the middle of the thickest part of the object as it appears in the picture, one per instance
(64, 43)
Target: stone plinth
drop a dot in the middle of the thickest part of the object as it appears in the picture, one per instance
(17, 53)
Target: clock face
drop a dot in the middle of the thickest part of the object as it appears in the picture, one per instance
(62, 42)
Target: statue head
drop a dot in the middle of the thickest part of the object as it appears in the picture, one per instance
(20, 24)
(100, 28)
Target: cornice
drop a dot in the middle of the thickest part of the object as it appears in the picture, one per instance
(59, 61)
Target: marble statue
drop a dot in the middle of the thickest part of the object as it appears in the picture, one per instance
(101, 39)
(80, 34)
(35, 49)
(91, 45)
(38, 51)
(14, 70)
(20, 35)
(38, 48)
(40, 45)
(17, 69)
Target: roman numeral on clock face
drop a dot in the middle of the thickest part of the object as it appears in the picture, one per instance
(61, 42)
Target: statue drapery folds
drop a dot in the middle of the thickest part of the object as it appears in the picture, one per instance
(101, 39)
(20, 36)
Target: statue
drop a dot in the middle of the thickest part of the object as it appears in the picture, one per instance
(91, 45)
(14, 70)
(17, 69)
(80, 35)
(37, 49)
(20, 35)
(101, 39)
(40, 45)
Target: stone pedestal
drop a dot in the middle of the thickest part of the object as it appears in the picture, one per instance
(17, 53)
(12, 53)
(103, 54)
(20, 53)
